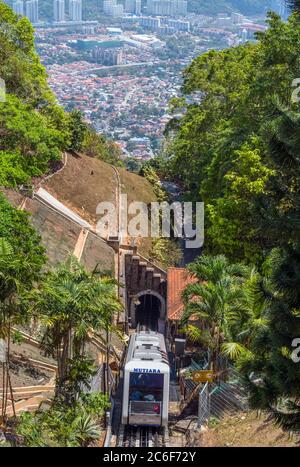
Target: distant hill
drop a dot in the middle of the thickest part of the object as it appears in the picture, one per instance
(92, 8)
(212, 7)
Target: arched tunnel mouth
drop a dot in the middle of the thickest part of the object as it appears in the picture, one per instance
(147, 313)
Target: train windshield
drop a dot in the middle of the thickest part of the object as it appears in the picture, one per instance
(146, 387)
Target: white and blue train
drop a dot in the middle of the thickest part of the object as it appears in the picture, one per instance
(146, 381)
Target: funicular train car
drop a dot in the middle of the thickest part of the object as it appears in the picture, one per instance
(146, 381)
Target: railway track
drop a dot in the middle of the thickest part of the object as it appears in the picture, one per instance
(142, 437)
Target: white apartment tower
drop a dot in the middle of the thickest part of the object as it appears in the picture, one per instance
(167, 7)
(133, 6)
(18, 7)
(32, 11)
(75, 10)
(59, 10)
(112, 8)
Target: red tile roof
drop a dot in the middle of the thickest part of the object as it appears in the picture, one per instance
(178, 279)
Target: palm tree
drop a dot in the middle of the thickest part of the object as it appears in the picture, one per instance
(71, 303)
(249, 329)
(215, 301)
(85, 430)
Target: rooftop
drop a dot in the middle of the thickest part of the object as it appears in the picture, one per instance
(178, 279)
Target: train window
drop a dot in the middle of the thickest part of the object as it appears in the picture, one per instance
(146, 387)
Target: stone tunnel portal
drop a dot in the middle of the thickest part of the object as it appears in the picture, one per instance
(148, 312)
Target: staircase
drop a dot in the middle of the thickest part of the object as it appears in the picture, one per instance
(141, 274)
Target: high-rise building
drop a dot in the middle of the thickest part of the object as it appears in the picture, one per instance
(75, 10)
(150, 23)
(108, 57)
(133, 6)
(178, 25)
(18, 7)
(244, 36)
(112, 8)
(167, 7)
(280, 7)
(59, 10)
(237, 18)
(138, 7)
(32, 11)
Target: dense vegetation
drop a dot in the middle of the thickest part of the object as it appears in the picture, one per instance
(34, 129)
(221, 148)
(68, 303)
(213, 7)
(237, 148)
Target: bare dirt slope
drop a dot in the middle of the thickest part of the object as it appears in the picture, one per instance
(25, 373)
(245, 430)
(82, 184)
(86, 181)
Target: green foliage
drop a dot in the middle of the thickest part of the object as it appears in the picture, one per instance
(212, 7)
(242, 143)
(95, 403)
(21, 259)
(12, 173)
(23, 239)
(34, 130)
(235, 213)
(63, 426)
(17, 337)
(71, 302)
(166, 252)
(20, 66)
(220, 152)
(133, 165)
(280, 213)
(96, 145)
(294, 5)
(80, 371)
(28, 142)
(149, 173)
(215, 299)
(77, 130)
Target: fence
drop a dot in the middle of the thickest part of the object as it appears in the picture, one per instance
(222, 398)
(204, 405)
(187, 385)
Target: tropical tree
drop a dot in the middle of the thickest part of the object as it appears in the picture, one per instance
(235, 213)
(280, 214)
(218, 147)
(64, 426)
(21, 258)
(214, 302)
(251, 327)
(72, 303)
(77, 130)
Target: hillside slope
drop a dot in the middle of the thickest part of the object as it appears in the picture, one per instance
(85, 182)
(245, 430)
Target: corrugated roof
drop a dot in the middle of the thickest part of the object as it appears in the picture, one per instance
(178, 279)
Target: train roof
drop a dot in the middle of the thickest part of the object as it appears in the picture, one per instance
(147, 346)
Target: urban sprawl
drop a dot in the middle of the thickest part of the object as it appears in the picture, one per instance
(122, 68)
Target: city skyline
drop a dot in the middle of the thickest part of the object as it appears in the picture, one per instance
(30, 9)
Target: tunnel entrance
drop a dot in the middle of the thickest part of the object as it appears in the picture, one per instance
(147, 313)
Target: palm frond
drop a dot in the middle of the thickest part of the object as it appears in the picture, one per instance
(233, 350)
